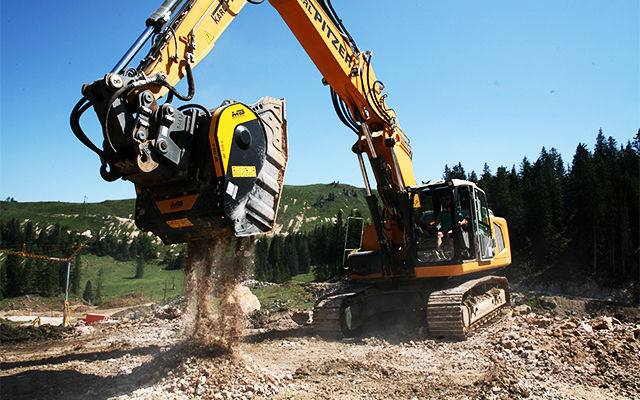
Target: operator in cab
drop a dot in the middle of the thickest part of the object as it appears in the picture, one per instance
(445, 221)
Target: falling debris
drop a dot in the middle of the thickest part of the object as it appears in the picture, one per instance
(215, 268)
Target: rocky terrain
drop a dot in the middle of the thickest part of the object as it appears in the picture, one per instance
(522, 354)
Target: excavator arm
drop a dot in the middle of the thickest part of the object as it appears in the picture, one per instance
(197, 170)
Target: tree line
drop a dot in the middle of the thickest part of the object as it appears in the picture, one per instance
(21, 275)
(320, 251)
(570, 222)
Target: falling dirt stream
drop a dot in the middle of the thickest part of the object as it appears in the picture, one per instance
(215, 267)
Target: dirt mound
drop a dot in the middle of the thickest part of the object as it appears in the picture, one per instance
(12, 334)
(30, 303)
(127, 300)
(223, 377)
(601, 351)
(272, 320)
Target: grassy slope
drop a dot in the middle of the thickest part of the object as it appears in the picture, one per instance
(118, 278)
(300, 203)
(77, 216)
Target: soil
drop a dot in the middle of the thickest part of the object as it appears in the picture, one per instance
(126, 300)
(593, 355)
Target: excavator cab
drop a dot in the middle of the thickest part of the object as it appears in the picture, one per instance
(451, 223)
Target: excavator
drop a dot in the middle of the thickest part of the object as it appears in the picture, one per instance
(198, 172)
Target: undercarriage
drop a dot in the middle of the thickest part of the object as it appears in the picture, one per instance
(453, 308)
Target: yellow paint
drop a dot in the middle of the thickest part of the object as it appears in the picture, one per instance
(178, 204)
(224, 123)
(243, 171)
(179, 223)
(197, 33)
(416, 201)
(459, 269)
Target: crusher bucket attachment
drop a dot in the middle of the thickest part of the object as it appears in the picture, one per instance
(197, 172)
(234, 180)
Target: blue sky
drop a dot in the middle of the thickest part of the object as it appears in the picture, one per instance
(472, 82)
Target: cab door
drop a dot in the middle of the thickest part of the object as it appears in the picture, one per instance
(485, 245)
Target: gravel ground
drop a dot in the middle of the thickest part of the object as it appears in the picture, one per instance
(519, 355)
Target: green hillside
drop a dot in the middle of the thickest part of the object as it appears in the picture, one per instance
(78, 217)
(301, 208)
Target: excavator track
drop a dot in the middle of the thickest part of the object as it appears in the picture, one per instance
(326, 316)
(454, 312)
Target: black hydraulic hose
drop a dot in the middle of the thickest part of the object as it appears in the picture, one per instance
(366, 97)
(372, 93)
(388, 109)
(342, 28)
(340, 112)
(378, 108)
(105, 123)
(124, 89)
(255, 1)
(192, 87)
(74, 121)
(347, 114)
(198, 106)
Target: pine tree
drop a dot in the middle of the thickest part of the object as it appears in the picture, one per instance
(87, 295)
(262, 271)
(583, 196)
(291, 255)
(304, 256)
(13, 268)
(275, 259)
(30, 275)
(3, 280)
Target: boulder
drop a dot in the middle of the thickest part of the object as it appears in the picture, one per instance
(602, 323)
(243, 297)
(167, 312)
(522, 309)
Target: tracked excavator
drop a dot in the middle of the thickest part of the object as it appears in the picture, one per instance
(201, 172)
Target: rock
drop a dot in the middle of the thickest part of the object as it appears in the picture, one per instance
(302, 317)
(167, 312)
(522, 309)
(508, 345)
(243, 297)
(602, 323)
(585, 327)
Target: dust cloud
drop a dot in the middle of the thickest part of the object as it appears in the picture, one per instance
(215, 267)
